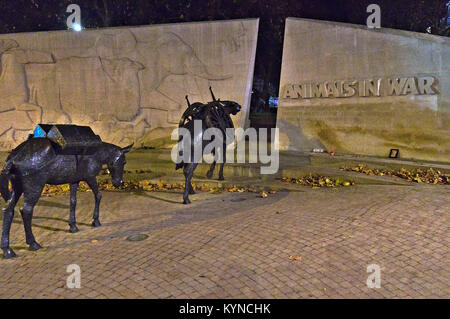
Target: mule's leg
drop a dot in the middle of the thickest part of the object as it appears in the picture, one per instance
(186, 183)
(73, 204)
(210, 172)
(98, 197)
(188, 172)
(7, 220)
(221, 178)
(191, 189)
(30, 200)
(224, 158)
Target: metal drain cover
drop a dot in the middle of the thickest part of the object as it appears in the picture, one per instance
(238, 199)
(137, 237)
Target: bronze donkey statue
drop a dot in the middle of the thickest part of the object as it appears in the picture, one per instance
(35, 163)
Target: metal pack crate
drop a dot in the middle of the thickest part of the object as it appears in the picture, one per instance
(74, 139)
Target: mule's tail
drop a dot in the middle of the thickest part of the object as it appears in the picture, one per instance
(4, 181)
(179, 165)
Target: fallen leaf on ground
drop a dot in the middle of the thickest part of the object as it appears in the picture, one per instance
(297, 258)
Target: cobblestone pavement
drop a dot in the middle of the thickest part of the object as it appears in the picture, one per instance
(237, 245)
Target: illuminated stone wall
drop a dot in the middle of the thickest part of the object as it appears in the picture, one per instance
(350, 89)
(128, 84)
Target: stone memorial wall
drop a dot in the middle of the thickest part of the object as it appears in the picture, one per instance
(127, 83)
(350, 89)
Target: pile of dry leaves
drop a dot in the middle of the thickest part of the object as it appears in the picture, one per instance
(429, 176)
(105, 171)
(315, 180)
(147, 185)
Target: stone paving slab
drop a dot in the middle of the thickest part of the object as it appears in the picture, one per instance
(237, 245)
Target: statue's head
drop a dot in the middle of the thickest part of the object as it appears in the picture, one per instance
(231, 107)
(116, 165)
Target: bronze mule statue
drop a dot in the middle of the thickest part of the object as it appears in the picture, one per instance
(35, 163)
(215, 114)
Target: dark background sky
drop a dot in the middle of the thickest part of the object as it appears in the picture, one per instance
(42, 15)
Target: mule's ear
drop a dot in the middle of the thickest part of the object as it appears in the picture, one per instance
(128, 148)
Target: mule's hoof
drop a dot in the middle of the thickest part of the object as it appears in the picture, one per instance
(209, 174)
(73, 229)
(186, 201)
(221, 178)
(8, 253)
(34, 246)
(96, 223)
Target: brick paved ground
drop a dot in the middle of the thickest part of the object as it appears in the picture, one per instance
(223, 247)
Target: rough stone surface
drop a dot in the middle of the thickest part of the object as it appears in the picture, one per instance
(128, 84)
(317, 51)
(220, 247)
